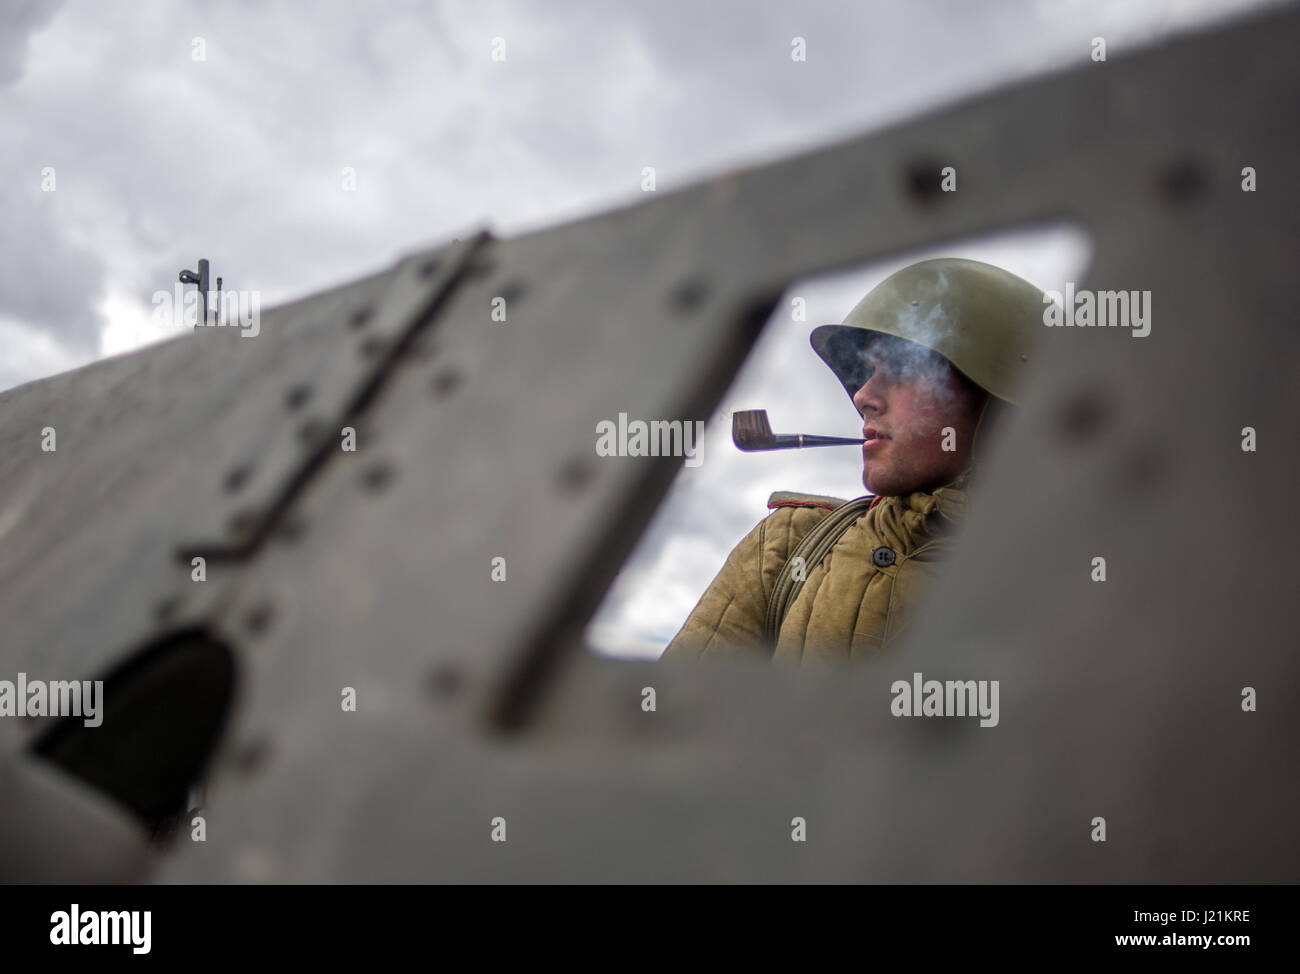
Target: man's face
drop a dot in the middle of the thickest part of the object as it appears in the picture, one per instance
(913, 405)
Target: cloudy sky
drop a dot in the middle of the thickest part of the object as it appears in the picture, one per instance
(159, 157)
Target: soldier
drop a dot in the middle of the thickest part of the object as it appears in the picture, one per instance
(929, 358)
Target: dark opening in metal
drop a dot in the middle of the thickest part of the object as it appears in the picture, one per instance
(163, 712)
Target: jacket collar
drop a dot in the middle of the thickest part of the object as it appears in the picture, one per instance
(949, 500)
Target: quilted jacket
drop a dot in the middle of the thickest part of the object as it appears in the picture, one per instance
(855, 602)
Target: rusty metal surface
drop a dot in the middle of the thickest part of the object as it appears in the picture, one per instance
(477, 699)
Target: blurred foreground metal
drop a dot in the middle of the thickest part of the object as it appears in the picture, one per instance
(477, 699)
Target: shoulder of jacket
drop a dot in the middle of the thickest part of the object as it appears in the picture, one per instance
(790, 498)
(951, 502)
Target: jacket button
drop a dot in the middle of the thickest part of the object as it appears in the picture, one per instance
(882, 556)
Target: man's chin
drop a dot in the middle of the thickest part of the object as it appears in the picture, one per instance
(877, 485)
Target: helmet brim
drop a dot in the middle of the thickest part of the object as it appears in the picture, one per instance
(841, 347)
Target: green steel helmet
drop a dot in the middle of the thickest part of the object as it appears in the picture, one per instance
(980, 318)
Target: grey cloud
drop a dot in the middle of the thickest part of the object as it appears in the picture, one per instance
(50, 283)
(19, 19)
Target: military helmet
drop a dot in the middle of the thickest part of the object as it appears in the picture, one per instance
(980, 318)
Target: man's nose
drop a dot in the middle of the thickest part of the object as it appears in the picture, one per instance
(870, 395)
